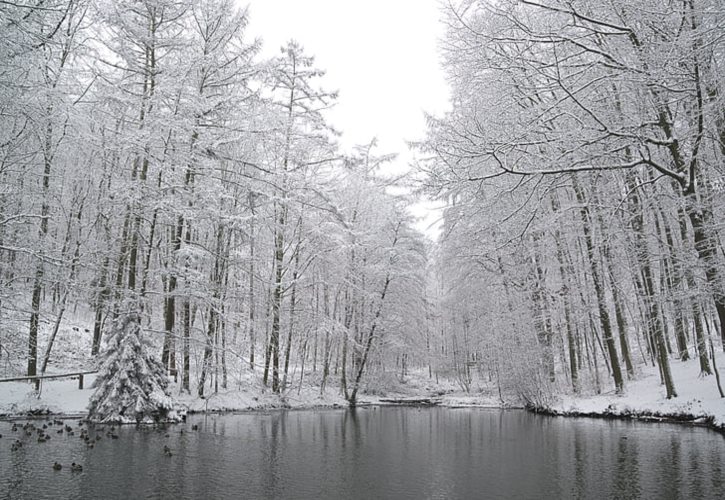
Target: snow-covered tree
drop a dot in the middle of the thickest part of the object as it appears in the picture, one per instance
(132, 385)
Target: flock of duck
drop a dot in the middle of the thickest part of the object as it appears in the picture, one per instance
(43, 433)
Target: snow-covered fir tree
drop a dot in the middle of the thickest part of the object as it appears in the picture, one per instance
(132, 385)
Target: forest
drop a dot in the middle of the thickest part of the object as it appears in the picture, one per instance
(153, 165)
(583, 163)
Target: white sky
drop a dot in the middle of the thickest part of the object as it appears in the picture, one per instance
(382, 57)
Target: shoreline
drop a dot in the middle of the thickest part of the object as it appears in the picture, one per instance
(452, 402)
(686, 419)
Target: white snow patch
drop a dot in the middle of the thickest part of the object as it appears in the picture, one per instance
(56, 396)
(697, 396)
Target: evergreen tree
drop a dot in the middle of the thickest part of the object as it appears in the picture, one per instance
(132, 385)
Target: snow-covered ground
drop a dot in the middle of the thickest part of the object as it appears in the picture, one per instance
(697, 396)
(57, 396)
(64, 397)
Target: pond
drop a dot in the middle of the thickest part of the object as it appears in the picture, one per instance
(370, 453)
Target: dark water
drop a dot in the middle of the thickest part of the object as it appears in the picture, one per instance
(372, 454)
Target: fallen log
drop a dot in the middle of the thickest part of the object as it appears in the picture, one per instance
(412, 401)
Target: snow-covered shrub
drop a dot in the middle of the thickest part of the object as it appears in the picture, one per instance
(132, 385)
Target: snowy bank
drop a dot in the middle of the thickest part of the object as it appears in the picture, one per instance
(698, 400)
(56, 397)
(62, 397)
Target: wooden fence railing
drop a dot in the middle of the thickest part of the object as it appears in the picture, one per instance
(39, 378)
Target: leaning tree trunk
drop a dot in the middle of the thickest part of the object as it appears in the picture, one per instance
(352, 399)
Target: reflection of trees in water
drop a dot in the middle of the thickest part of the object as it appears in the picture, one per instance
(626, 482)
(580, 461)
(272, 472)
(350, 418)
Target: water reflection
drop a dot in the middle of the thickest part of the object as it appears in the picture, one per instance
(626, 474)
(376, 453)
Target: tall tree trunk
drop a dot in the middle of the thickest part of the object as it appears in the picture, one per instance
(101, 297)
(607, 262)
(251, 301)
(277, 296)
(208, 348)
(542, 322)
(564, 272)
(291, 326)
(326, 345)
(345, 342)
(695, 309)
(653, 319)
(42, 233)
(217, 282)
(186, 323)
(707, 253)
(170, 300)
(670, 280)
(599, 289)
